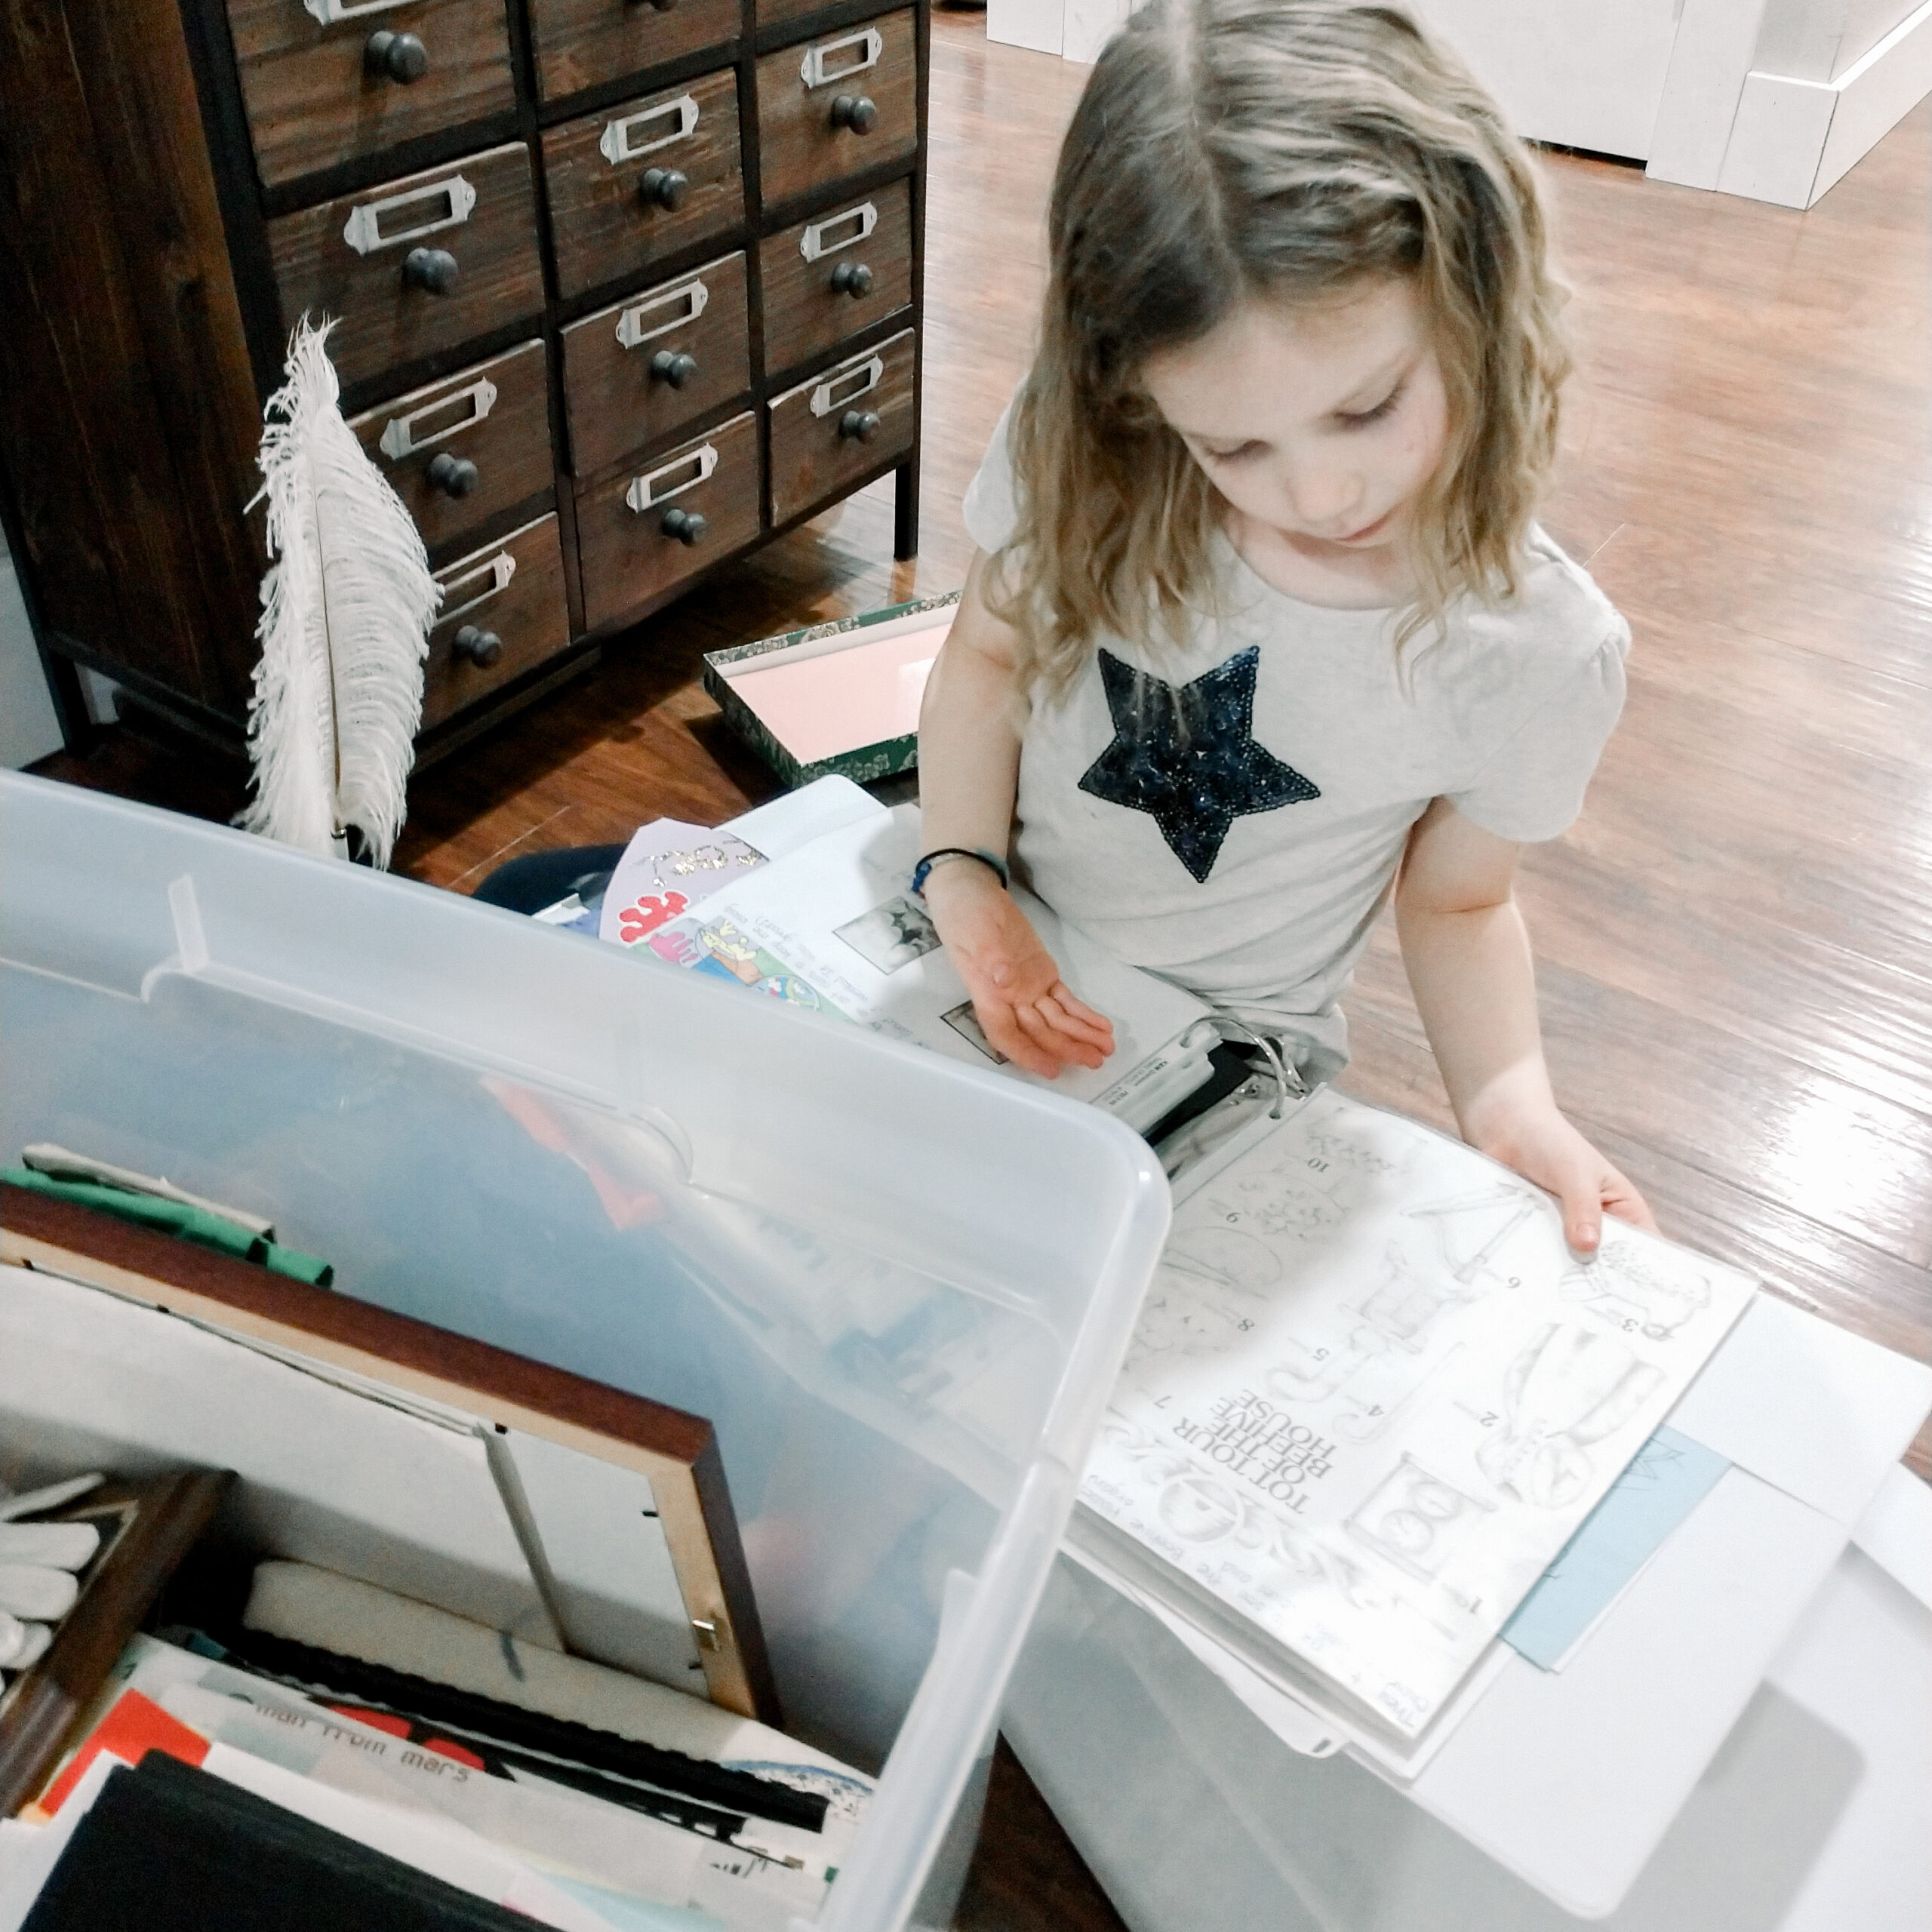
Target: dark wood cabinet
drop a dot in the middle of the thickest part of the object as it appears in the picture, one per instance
(593, 265)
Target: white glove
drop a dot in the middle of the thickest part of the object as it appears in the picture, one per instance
(37, 1563)
(21, 1644)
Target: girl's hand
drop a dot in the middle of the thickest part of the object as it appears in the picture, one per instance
(1023, 1005)
(1543, 1147)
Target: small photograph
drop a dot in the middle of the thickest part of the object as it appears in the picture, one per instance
(890, 935)
(963, 1022)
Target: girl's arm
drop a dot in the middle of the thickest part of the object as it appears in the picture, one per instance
(1468, 957)
(970, 727)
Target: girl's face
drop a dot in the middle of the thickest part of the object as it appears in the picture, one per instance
(1319, 425)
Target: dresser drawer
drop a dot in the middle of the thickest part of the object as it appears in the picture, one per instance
(585, 43)
(637, 371)
(634, 534)
(462, 450)
(841, 423)
(642, 180)
(830, 107)
(321, 91)
(415, 265)
(830, 277)
(780, 13)
(503, 612)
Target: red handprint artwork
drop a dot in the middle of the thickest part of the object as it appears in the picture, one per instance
(640, 921)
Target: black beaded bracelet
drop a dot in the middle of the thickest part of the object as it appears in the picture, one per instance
(922, 871)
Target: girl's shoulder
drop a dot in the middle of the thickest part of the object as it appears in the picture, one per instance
(1558, 631)
(1558, 617)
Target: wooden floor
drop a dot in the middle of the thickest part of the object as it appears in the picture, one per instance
(1736, 973)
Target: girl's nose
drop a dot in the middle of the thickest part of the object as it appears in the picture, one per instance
(1326, 500)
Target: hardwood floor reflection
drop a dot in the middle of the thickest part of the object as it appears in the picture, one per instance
(1735, 975)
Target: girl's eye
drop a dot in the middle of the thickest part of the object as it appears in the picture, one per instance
(1234, 455)
(1361, 418)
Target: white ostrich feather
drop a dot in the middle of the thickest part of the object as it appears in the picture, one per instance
(346, 607)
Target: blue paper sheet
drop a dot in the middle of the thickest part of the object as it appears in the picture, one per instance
(1667, 1478)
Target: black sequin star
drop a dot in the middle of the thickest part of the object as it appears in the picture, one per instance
(1187, 757)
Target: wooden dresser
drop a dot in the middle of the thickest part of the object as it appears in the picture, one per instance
(622, 288)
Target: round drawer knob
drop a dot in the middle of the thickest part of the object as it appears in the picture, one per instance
(687, 526)
(664, 187)
(860, 424)
(454, 475)
(852, 278)
(673, 366)
(433, 270)
(395, 57)
(856, 111)
(482, 647)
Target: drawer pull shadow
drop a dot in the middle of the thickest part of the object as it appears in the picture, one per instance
(446, 204)
(482, 648)
(687, 526)
(402, 435)
(454, 475)
(825, 237)
(499, 569)
(858, 112)
(434, 271)
(846, 385)
(681, 473)
(692, 298)
(665, 188)
(817, 70)
(616, 144)
(400, 57)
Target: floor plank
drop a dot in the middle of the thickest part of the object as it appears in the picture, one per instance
(1732, 942)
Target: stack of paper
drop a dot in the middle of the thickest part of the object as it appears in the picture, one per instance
(1372, 1396)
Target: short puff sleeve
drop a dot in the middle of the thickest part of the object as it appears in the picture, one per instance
(1531, 788)
(990, 511)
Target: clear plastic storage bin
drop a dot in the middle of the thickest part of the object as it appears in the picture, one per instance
(899, 1287)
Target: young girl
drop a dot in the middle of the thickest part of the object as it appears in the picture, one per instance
(1262, 629)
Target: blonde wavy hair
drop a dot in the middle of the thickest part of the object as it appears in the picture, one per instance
(1227, 151)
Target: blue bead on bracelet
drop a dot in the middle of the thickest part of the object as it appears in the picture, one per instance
(923, 870)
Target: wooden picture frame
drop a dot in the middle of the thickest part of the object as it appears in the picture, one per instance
(676, 1452)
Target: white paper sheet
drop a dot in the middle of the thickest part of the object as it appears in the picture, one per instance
(1862, 1406)
(1372, 1395)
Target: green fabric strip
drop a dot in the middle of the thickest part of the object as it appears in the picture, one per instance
(177, 1217)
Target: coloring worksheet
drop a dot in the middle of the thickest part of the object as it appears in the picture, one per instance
(1372, 1393)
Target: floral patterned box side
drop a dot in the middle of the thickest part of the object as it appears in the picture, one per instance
(840, 697)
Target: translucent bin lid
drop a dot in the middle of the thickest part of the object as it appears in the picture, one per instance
(899, 1287)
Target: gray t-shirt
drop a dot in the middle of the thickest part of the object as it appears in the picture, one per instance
(1243, 842)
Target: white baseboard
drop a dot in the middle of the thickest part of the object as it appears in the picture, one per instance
(1076, 29)
(1792, 140)
(1036, 24)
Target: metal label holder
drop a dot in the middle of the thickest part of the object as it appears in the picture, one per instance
(631, 330)
(363, 231)
(399, 438)
(815, 73)
(813, 246)
(615, 144)
(832, 393)
(644, 493)
(499, 569)
(329, 12)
